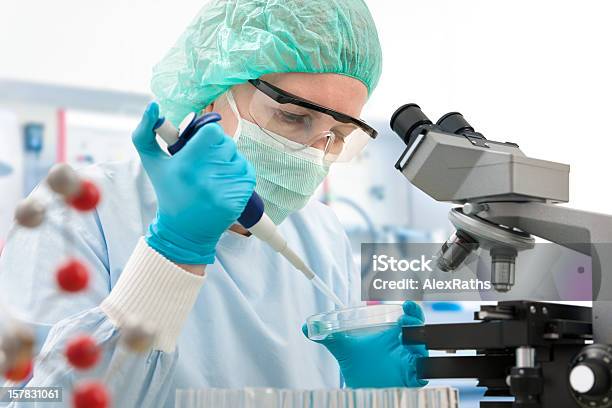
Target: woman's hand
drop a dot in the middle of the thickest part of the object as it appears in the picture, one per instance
(379, 359)
(201, 190)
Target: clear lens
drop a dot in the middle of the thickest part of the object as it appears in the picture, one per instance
(298, 128)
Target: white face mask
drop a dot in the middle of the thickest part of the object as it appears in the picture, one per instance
(287, 174)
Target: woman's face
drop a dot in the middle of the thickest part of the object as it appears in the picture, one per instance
(338, 92)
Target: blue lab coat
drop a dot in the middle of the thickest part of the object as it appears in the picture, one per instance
(245, 327)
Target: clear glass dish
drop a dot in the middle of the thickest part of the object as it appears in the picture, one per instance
(362, 319)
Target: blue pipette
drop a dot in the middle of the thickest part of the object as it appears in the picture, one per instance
(253, 217)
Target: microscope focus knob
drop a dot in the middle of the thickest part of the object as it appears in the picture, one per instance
(589, 376)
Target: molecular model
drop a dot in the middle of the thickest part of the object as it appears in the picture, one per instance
(17, 341)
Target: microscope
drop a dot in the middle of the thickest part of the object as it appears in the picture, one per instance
(545, 355)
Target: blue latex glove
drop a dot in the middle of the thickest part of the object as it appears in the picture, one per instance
(380, 359)
(201, 190)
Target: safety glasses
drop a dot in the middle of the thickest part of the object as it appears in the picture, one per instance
(300, 124)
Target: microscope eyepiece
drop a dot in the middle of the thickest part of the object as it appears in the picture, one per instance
(454, 122)
(408, 121)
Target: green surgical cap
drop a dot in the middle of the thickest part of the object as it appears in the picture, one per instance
(232, 41)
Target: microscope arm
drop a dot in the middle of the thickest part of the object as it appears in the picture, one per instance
(586, 232)
(571, 228)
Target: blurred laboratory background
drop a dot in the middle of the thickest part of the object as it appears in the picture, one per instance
(74, 79)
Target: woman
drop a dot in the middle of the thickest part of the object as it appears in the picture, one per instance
(226, 309)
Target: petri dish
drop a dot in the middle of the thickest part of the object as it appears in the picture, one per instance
(357, 320)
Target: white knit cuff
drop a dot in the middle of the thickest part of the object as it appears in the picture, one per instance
(155, 292)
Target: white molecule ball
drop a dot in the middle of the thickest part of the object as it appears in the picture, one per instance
(29, 213)
(63, 180)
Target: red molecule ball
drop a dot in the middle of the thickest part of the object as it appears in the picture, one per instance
(72, 276)
(87, 198)
(83, 352)
(19, 372)
(90, 394)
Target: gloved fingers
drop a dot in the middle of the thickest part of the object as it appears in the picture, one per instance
(224, 151)
(305, 330)
(406, 320)
(243, 167)
(199, 146)
(250, 170)
(420, 350)
(414, 382)
(413, 309)
(421, 382)
(247, 167)
(143, 136)
(410, 372)
(238, 168)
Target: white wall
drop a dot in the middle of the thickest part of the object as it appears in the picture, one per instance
(536, 73)
(533, 72)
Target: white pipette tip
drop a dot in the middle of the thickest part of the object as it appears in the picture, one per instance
(266, 230)
(301, 266)
(319, 284)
